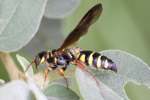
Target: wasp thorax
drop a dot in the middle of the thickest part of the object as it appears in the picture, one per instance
(75, 51)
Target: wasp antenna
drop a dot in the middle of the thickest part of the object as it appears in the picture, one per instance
(29, 66)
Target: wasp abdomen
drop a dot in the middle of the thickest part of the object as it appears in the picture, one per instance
(97, 60)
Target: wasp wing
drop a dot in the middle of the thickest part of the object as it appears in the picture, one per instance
(89, 18)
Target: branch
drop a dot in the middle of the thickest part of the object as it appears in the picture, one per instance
(10, 66)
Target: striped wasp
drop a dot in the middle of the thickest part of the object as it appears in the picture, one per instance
(60, 58)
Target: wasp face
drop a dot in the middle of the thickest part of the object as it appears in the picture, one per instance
(40, 58)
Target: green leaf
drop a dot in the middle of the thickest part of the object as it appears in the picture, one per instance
(111, 85)
(24, 64)
(19, 20)
(60, 8)
(61, 92)
(92, 89)
(130, 69)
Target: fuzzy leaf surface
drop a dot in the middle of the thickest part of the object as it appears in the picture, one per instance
(61, 92)
(19, 22)
(130, 69)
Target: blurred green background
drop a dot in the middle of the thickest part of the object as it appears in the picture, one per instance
(123, 25)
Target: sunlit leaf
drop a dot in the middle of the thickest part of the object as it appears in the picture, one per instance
(19, 21)
(24, 64)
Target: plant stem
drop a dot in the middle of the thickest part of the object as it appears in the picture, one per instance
(10, 66)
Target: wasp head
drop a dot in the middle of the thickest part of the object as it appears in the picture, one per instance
(39, 59)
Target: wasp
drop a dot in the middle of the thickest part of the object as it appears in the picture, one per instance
(59, 59)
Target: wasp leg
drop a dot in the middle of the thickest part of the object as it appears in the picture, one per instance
(47, 70)
(61, 72)
(81, 65)
(29, 66)
(46, 74)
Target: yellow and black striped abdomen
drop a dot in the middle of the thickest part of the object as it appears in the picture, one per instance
(90, 58)
(96, 60)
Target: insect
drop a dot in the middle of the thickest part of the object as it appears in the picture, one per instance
(60, 58)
